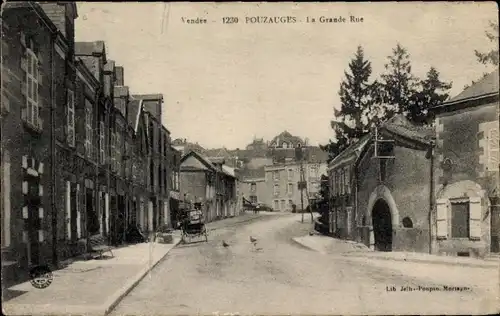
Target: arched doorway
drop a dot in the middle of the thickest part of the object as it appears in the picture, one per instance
(382, 226)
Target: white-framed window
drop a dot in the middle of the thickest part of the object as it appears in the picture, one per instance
(32, 114)
(493, 153)
(102, 143)
(70, 118)
(253, 187)
(276, 175)
(88, 128)
(313, 172)
(283, 205)
(290, 174)
(276, 189)
(290, 189)
(276, 205)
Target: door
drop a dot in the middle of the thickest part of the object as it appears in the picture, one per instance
(495, 229)
(32, 219)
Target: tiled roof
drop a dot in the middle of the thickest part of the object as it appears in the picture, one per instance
(401, 126)
(485, 86)
(286, 137)
(353, 148)
(89, 48)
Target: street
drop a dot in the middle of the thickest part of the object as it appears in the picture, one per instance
(277, 276)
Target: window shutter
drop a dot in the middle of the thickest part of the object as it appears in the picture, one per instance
(24, 63)
(475, 210)
(442, 218)
(493, 155)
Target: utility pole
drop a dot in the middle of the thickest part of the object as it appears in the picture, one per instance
(302, 189)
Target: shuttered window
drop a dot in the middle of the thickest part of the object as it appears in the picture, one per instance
(102, 144)
(475, 211)
(88, 129)
(442, 218)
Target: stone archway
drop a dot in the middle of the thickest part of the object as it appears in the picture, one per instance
(382, 204)
(382, 226)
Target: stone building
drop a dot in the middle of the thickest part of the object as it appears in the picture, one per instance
(381, 188)
(467, 173)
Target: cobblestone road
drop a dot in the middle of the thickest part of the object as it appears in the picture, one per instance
(277, 276)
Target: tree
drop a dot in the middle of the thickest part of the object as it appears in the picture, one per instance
(357, 110)
(490, 57)
(432, 92)
(398, 84)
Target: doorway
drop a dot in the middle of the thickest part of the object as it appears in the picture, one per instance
(495, 229)
(382, 226)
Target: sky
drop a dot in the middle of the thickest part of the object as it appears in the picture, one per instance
(224, 84)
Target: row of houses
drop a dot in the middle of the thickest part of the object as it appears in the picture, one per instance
(424, 189)
(81, 155)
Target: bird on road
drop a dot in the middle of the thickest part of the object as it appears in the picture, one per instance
(252, 240)
(225, 244)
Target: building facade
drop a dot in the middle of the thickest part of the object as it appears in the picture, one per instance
(31, 48)
(467, 174)
(210, 183)
(80, 155)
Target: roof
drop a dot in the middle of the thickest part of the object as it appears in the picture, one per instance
(109, 65)
(401, 126)
(149, 97)
(354, 149)
(200, 157)
(229, 171)
(488, 85)
(286, 137)
(89, 48)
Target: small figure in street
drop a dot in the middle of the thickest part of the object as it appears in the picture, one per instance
(225, 244)
(253, 240)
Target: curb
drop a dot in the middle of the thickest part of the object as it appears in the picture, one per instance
(120, 294)
(347, 256)
(298, 243)
(481, 265)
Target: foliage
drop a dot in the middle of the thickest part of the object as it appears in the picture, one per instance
(490, 57)
(432, 92)
(356, 113)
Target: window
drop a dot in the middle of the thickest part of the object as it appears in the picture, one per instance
(407, 222)
(253, 187)
(314, 172)
(276, 204)
(102, 152)
(290, 188)
(460, 220)
(88, 129)
(276, 175)
(283, 205)
(113, 151)
(290, 174)
(341, 182)
(32, 113)
(276, 190)
(290, 203)
(5, 175)
(285, 145)
(118, 153)
(70, 118)
(347, 180)
(493, 154)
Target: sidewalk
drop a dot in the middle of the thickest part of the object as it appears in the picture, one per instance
(91, 287)
(351, 249)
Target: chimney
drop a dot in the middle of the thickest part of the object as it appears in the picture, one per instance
(119, 76)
